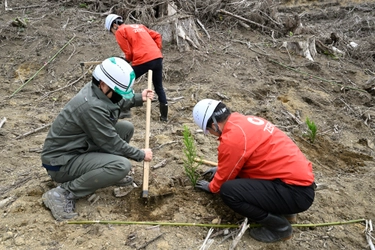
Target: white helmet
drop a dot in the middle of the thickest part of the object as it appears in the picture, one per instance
(202, 111)
(109, 20)
(117, 74)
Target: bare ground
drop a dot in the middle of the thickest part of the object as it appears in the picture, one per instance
(247, 69)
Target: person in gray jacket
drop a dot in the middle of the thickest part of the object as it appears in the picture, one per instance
(87, 147)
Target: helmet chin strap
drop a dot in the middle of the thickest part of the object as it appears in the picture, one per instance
(217, 129)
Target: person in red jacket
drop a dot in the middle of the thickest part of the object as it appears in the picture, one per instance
(142, 48)
(261, 172)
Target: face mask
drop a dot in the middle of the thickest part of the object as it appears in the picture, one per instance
(115, 97)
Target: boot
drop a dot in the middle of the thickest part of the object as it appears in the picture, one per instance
(274, 228)
(164, 112)
(292, 218)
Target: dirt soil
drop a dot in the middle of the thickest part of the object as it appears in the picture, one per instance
(247, 69)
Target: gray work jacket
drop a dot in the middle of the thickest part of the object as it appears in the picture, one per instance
(86, 124)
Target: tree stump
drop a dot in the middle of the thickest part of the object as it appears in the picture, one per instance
(179, 29)
(305, 48)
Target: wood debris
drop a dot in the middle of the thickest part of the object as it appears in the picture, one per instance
(2, 122)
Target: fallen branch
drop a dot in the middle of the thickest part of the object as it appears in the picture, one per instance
(368, 232)
(22, 7)
(15, 185)
(242, 19)
(175, 98)
(222, 95)
(298, 121)
(316, 77)
(36, 73)
(207, 241)
(167, 143)
(66, 86)
(204, 29)
(3, 120)
(33, 131)
(244, 227)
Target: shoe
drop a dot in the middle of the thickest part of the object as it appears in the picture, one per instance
(274, 228)
(163, 112)
(61, 203)
(292, 218)
(125, 114)
(128, 180)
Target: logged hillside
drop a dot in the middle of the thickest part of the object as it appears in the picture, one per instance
(256, 56)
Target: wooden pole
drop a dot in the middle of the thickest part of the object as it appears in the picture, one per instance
(146, 164)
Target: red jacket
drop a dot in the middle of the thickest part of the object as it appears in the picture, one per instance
(251, 147)
(139, 43)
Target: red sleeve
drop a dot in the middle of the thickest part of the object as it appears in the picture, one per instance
(121, 38)
(156, 37)
(232, 156)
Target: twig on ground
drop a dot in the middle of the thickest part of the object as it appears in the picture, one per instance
(243, 19)
(207, 241)
(316, 77)
(368, 232)
(298, 121)
(204, 29)
(231, 234)
(33, 131)
(66, 86)
(36, 73)
(160, 164)
(175, 98)
(5, 201)
(3, 120)
(222, 96)
(23, 7)
(15, 185)
(93, 199)
(35, 150)
(149, 242)
(167, 143)
(244, 227)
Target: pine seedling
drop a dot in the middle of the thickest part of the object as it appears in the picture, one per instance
(311, 132)
(190, 165)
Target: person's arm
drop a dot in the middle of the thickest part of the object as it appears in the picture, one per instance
(156, 37)
(125, 45)
(230, 162)
(136, 101)
(98, 125)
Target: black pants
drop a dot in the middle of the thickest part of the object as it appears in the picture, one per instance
(157, 76)
(255, 198)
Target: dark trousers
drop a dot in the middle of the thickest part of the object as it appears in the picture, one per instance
(255, 198)
(86, 173)
(157, 76)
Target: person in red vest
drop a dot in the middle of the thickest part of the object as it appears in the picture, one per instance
(142, 48)
(261, 172)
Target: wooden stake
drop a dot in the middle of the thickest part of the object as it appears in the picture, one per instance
(211, 163)
(146, 164)
(90, 63)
